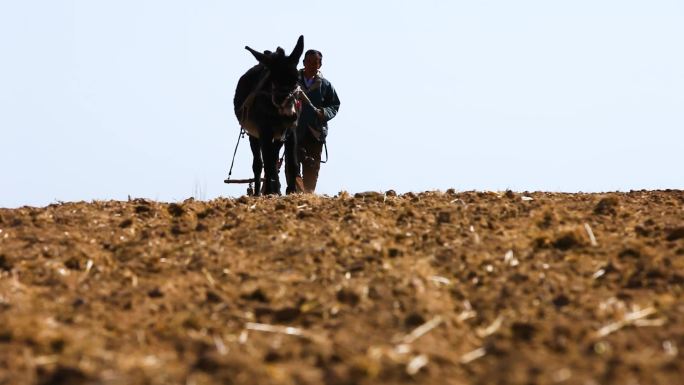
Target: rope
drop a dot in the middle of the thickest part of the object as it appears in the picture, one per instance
(303, 96)
(240, 135)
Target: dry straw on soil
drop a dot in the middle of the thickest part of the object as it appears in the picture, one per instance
(430, 288)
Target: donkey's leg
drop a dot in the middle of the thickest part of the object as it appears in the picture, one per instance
(277, 145)
(291, 162)
(270, 158)
(257, 164)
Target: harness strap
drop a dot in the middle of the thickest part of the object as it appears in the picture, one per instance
(325, 145)
(303, 96)
(249, 100)
(232, 162)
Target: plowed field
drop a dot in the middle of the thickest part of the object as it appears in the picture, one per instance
(429, 288)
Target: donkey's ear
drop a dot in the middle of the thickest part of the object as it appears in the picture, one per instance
(261, 58)
(297, 51)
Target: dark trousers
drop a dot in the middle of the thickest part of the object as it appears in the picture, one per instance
(309, 156)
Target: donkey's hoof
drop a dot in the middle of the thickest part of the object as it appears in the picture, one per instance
(272, 187)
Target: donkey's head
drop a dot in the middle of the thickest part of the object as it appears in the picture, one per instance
(283, 74)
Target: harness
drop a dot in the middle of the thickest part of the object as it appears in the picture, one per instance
(258, 90)
(249, 100)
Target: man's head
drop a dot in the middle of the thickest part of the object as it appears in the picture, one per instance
(313, 60)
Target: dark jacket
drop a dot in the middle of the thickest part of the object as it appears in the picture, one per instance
(322, 95)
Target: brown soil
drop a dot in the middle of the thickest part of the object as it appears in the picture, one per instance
(430, 288)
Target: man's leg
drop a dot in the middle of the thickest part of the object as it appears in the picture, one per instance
(311, 163)
(293, 173)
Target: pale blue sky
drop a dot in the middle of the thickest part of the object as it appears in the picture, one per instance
(105, 99)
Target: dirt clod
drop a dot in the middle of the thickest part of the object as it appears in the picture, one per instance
(213, 297)
(176, 210)
(523, 331)
(257, 295)
(675, 233)
(443, 217)
(73, 263)
(606, 206)
(64, 375)
(286, 315)
(348, 297)
(561, 301)
(567, 241)
(371, 195)
(629, 253)
(155, 293)
(140, 209)
(5, 264)
(414, 320)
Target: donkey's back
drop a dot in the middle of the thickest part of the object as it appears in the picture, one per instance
(245, 93)
(245, 86)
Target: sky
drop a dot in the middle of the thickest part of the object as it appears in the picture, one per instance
(110, 99)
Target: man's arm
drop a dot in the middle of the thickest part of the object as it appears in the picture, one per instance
(331, 103)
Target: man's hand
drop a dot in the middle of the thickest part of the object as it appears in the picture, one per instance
(320, 113)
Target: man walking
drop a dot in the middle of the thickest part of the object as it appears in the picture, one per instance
(312, 127)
